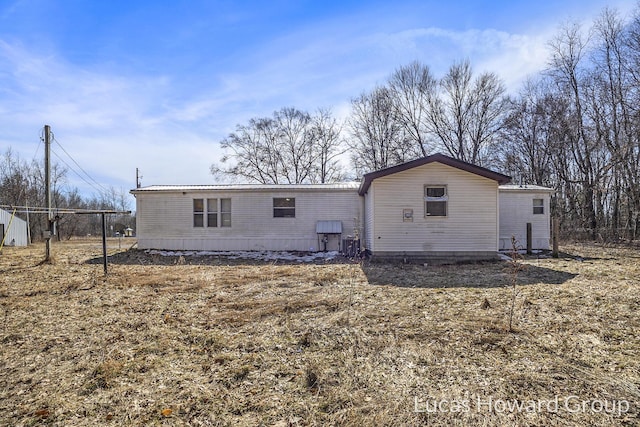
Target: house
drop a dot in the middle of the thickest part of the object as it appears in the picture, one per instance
(247, 217)
(13, 231)
(432, 208)
(520, 205)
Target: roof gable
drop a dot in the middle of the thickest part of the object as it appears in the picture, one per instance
(439, 158)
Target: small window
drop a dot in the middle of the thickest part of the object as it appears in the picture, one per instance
(284, 207)
(435, 200)
(212, 212)
(225, 212)
(538, 206)
(198, 212)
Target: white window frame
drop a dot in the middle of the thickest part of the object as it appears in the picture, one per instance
(538, 208)
(202, 216)
(212, 212)
(198, 213)
(224, 214)
(436, 199)
(282, 209)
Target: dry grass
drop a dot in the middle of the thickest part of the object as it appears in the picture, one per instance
(166, 342)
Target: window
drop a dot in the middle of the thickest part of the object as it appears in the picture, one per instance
(212, 212)
(198, 212)
(435, 200)
(217, 214)
(284, 207)
(538, 206)
(225, 212)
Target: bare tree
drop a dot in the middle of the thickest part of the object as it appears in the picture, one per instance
(568, 51)
(530, 133)
(254, 153)
(291, 147)
(466, 116)
(412, 86)
(327, 147)
(377, 137)
(294, 145)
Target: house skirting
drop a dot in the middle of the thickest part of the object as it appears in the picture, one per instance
(443, 257)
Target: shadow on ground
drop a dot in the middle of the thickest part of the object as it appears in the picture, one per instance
(479, 275)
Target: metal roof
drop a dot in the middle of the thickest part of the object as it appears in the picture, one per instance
(440, 158)
(329, 227)
(248, 187)
(524, 187)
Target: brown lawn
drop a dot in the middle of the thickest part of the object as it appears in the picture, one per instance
(216, 342)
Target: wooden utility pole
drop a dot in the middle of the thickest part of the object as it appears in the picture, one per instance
(47, 191)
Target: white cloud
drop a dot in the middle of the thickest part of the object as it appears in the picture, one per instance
(109, 123)
(169, 124)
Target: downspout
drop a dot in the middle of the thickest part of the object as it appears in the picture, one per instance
(363, 222)
(498, 218)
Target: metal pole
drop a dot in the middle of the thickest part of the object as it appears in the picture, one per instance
(104, 244)
(26, 203)
(555, 236)
(47, 186)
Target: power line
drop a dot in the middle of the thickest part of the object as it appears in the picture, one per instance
(74, 171)
(104, 190)
(35, 154)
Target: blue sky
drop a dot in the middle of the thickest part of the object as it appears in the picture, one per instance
(157, 84)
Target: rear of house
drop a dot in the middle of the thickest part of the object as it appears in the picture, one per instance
(433, 208)
(522, 204)
(246, 217)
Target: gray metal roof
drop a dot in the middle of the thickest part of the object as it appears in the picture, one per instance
(524, 187)
(248, 187)
(329, 227)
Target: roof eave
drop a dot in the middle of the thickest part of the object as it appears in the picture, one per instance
(367, 179)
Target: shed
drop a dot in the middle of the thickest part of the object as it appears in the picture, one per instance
(432, 208)
(13, 231)
(522, 204)
(244, 216)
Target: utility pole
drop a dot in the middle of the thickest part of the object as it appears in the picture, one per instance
(47, 186)
(138, 177)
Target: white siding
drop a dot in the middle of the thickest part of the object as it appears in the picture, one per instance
(516, 210)
(471, 223)
(17, 233)
(165, 220)
(369, 219)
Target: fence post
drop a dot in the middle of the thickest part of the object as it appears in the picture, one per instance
(554, 236)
